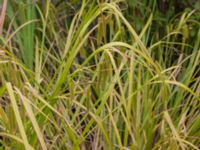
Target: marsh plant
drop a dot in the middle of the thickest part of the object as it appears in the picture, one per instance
(105, 74)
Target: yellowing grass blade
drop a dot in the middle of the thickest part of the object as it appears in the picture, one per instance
(33, 119)
(180, 85)
(17, 115)
(146, 26)
(13, 137)
(174, 132)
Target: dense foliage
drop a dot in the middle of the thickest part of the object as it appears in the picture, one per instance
(100, 74)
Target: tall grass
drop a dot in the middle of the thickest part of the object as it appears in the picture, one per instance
(25, 38)
(99, 75)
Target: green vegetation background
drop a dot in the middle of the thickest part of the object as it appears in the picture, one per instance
(100, 74)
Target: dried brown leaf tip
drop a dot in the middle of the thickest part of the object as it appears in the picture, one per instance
(3, 14)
